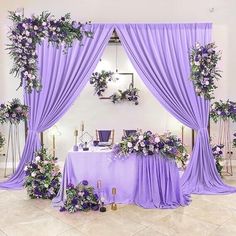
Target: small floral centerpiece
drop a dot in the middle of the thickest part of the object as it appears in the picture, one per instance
(27, 32)
(100, 80)
(217, 151)
(80, 198)
(148, 143)
(42, 176)
(2, 140)
(223, 110)
(130, 94)
(204, 71)
(13, 112)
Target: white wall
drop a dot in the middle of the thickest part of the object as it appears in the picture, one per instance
(88, 106)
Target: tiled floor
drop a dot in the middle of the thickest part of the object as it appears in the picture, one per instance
(207, 215)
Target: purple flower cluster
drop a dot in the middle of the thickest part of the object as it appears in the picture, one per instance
(204, 71)
(223, 110)
(217, 151)
(26, 33)
(130, 94)
(100, 80)
(80, 198)
(42, 176)
(148, 143)
(13, 111)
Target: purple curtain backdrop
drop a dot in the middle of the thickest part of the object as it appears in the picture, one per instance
(159, 53)
(63, 77)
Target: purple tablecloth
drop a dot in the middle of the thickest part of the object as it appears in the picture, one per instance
(150, 182)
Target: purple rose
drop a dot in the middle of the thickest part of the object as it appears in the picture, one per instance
(74, 201)
(85, 182)
(62, 209)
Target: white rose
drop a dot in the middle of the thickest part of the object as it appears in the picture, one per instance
(35, 27)
(207, 83)
(37, 158)
(33, 174)
(136, 147)
(44, 23)
(218, 149)
(213, 106)
(140, 137)
(26, 168)
(130, 144)
(157, 139)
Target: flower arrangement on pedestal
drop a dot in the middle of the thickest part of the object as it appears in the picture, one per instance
(223, 110)
(13, 112)
(42, 176)
(148, 143)
(204, 71)
(80, 198)
(2, 140)
(217, 151)
(27, 32)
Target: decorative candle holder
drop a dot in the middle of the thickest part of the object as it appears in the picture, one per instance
(75, 147)
(114, 205)
(101, 196)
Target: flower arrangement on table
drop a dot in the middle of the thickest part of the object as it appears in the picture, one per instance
(100, 82)
(204, 71)
(217, 151)
(27, 32)
(42, 176)
(223, 110)
(148, 143)
(13, 112)
(80, 198)
(2, 140)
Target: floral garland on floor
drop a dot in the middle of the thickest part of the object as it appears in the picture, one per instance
(80, 198)
(27, 32)
(42, 176)
(148, 143)
(204, 71)
(13, 112)
(223, 110)
(100, 83)
(217, 151)
(2, 140)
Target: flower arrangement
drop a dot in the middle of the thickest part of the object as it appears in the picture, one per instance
(148, 143)
(234, 140)
(217, 151)
(100, 80)
(130, 94)
(42, 176)
(204, 71)
(80, 198)
(13, 111)
(2, 140)
(100, 83)
(224, 110)
(27, 32)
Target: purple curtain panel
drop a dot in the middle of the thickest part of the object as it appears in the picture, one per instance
(160, 55)
(63, 77)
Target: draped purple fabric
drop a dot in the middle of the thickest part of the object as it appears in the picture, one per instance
(104, 135)
(63, 77)
(159, 54)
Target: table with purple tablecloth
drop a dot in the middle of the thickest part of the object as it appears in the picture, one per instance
(148, 181)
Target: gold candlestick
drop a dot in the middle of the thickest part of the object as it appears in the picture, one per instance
(113, 205)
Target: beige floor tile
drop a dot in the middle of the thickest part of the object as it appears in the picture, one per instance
(180, 224)
(149, 232)
(71, 232)
(44, 225)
